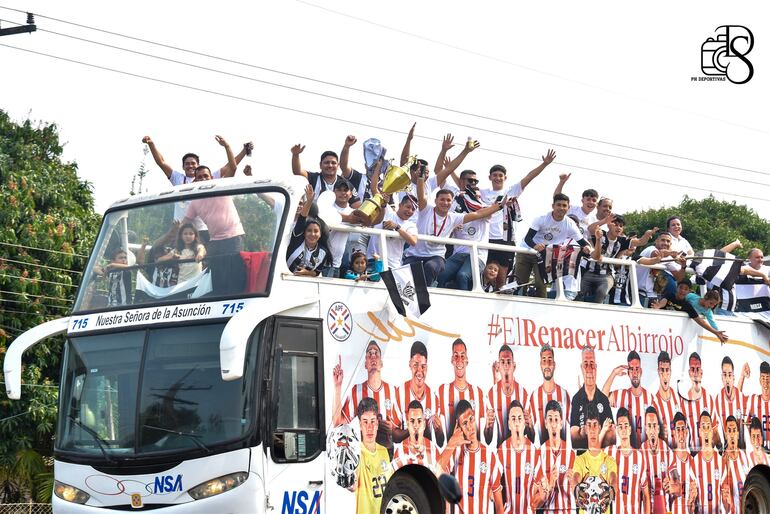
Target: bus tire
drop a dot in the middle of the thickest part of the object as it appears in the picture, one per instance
(756, 492)
(406, 495)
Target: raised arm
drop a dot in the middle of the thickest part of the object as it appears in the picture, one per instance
(407, 146)
(246, 150)
(422, 197)
(347, 170)
(641, 241)
(446, 144)
(296, 167)
(547, 159)
(596, 253)
(455, 163)
(157, 157)
(563, 178)
(228, 170)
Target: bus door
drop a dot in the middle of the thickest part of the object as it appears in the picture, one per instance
(295, 439)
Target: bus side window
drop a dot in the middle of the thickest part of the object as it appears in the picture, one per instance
(298, 424)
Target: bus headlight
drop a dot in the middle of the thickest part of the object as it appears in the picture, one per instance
(218, 485)
(69, 493)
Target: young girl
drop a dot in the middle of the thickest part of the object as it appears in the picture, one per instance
(489, 277)
(358, 271)
(188, 246)
(308, 251)
(118, 282)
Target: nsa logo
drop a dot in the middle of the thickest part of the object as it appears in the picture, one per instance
(385, 466)
(600, 408)
(717, 473)
(388, 404)
(527, 468)
(483, 467)
(406, 292)
(603, 469)
(635, 469)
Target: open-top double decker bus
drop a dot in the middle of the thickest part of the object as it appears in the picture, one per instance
(239, 387)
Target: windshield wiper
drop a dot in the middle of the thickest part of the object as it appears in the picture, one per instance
(194, 437)
(93, 433)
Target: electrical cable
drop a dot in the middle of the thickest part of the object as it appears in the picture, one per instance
(343, 120)
(41, 266)
(40, 249)
(383, 95)
(404, 113)
(36, 296)
(32, 279)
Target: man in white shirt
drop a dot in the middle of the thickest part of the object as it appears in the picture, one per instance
(326, 179)
(553, 228)
(502, 228)
(440, 222)
(337, 240)
(645, 279)
(457, 270)
(398, 220)
(586, 211)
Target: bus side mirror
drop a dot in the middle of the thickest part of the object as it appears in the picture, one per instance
(12, 362)
(450, 488)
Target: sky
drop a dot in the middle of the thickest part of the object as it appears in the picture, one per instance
(608, 85)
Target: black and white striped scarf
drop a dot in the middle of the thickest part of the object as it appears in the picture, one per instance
(306, 258)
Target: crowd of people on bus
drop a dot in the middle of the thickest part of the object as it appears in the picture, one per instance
(546, 448)
(449, 203)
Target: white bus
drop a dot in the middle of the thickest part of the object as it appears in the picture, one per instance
(231, 385)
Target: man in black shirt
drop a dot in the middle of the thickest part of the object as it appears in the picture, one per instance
(589, 394)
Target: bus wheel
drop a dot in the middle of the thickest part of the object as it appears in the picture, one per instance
(756, 494)
(404, 495)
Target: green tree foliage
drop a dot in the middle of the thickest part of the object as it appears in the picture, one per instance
(43, 205)
(707, 223)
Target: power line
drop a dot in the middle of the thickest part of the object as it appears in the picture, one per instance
(376, 127)
(32, 247)
(30, 279)
(8, 300)
(3, 311)
(37, 296)
(383, 95)
(404, 113)
(509, 63)
(36, 385)
(41, 266)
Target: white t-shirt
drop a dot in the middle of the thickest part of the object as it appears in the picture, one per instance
(180, 208)
(395, 245)
(429, 223)
(644, 276)
(584, 219)
(681, 244)
(488, 196)
(552, 232)
(338, 240)
(477, 230)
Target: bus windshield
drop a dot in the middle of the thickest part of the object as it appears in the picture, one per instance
(204, 248)
(147, 391)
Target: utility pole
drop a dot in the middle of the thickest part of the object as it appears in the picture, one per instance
(29, 27)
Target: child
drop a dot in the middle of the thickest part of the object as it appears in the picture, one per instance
(118, 282)
(489, 277)
(358, 271)
(188, 246)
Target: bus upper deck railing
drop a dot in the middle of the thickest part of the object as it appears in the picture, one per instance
(474, 247)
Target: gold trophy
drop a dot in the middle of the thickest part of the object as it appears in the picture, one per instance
(397, 179)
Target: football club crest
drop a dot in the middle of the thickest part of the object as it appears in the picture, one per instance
(483, 467)
(635, 469)
(600, 408)
(527, 468)
(339, 321)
